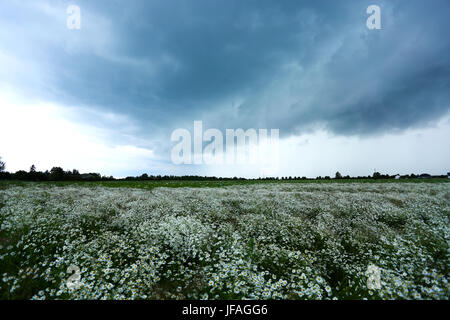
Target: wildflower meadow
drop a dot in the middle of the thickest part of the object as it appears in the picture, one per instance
(256, 241)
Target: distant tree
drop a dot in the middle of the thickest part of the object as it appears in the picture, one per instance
(376, 175)
(56, 174)
(95, 176)
(144, 177)
(338, 175)
(2, 165)
(32, 175)
(75, 175)
(21, 175)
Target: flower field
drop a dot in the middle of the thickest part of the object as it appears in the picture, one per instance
(256, 241)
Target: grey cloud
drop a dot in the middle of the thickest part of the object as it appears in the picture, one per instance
(283, 64)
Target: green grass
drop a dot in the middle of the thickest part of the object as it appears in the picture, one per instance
(202, 184)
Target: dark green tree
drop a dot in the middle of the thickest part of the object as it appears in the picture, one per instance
(56, 174)
(376, 175)
(144, 177)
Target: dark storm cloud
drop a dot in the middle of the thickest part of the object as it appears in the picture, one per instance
(270, 64)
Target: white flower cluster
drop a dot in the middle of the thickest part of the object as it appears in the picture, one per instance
(258, 241)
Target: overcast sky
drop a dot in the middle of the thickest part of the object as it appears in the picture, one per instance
(106, 98)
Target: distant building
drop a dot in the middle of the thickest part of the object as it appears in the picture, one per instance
(448, 174)
(397, 177)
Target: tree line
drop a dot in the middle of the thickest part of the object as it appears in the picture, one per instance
(59, 174)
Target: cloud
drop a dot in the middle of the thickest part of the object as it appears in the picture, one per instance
(48, 135)
(314, 62)
(418, 150)
(297, 66)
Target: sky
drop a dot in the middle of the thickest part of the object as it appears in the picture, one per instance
(108, 96)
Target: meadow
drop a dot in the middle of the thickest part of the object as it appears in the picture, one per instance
(225, 239)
